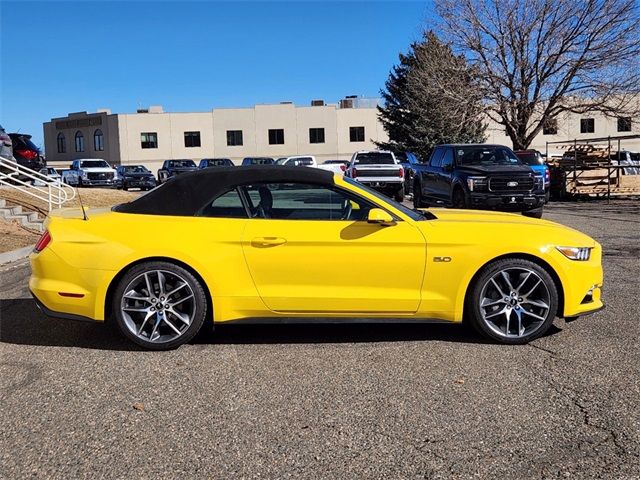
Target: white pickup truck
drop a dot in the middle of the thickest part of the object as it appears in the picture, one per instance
(89, 172)
(379, 170)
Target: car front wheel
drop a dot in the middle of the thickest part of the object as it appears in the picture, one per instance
(418, 201)
(159, 305)
(513, 301)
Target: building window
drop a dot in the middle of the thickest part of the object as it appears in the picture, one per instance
(62, 143)
(79, 141)
(276, 136)
(356, 134)
(191, 139)
(587, 125)
(550, 126)
(316, 135)
(98, 141)
(624, 124)
(234, 138)
(149, 140)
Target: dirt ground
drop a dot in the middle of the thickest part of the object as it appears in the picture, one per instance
(13, 235)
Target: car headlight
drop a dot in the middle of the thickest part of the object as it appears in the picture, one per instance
(539, 180)
(476, 183)
(84, 175)
(580, 254)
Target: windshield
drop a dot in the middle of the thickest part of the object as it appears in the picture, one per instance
(415, 215)
(136, 169)
(94, 164)
(182, 163)
(258, 161)
(374, 158)
(485, 156)
(530, 158)
(281, 161)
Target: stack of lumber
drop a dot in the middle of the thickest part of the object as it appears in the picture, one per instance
(584, 156)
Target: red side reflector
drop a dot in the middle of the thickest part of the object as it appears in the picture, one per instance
(45, 239)
(72, 295)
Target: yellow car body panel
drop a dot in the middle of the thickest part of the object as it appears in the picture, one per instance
(412, 269)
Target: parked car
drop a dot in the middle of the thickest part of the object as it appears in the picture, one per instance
(171, 168)
(26, 153)
(630, 160)
(478, 176)
(335, 166)
(51, 173)
(90, 172)
(379, 170)
(407, 160)
(536, 161)
(298, 244)
(215, 162)
(257, 161)
(134, 176)
(6, 149)
(298, 161)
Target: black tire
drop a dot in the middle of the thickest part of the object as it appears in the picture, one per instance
(536, 213)
(399, 195)
(198, 304)
(484, 323)
(458, 198)
(80, 184)
(418, 201)
(125, 187)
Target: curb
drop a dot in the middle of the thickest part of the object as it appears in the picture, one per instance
(12, 256)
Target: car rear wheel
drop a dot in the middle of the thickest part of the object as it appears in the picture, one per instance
(159, 305)
(513, 301)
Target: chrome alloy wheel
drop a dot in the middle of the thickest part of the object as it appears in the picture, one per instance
(514, 302)
(158, 306)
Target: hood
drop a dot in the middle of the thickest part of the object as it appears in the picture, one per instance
(503, 224)
(495, 169)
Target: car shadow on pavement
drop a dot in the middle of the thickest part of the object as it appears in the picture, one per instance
(22, 323)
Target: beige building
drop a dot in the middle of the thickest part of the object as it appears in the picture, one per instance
(151, 136)
(577, 126)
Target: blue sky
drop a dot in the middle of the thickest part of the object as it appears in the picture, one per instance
(61, 57)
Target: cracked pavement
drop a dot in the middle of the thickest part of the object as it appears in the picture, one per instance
(331, 401)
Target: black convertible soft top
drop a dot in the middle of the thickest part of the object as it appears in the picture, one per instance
(185, 194)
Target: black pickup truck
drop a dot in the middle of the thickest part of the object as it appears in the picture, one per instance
(171, 168)
(478, 176)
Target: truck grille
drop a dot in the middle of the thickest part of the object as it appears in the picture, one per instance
(100, 176)
(519, 184)
(386, 172)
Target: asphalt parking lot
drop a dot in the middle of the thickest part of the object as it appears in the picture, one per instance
(331, 401)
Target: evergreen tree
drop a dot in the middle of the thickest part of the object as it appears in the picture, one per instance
(431, 97)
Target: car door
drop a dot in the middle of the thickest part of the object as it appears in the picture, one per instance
(445, 175)
(310, 249)
(430, 174)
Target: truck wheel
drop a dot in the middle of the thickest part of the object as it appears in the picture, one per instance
(535, 213)
(399, 195)
(80, 184)
(458, 199)
(418, 202)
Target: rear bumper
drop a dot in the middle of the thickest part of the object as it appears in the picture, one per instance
(53, 314)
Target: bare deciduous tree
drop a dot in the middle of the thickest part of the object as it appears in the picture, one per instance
(540, 58)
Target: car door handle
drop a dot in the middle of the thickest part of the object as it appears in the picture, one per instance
(262, 242)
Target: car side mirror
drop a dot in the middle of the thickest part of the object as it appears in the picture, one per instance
(380, 217)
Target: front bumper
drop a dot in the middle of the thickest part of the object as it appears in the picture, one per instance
(382, 183)
(98, 183)
(515, 202)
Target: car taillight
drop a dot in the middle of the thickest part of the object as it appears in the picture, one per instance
(401, 173)
(28, 154)
(354, 172)
(343, 167)
(547, 175)
(45, 239)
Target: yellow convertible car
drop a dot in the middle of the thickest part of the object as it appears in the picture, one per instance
(274, 244)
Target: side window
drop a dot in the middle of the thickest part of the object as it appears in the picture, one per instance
(227, 205)
(299, 201)
(447, 158)
(436, 158)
